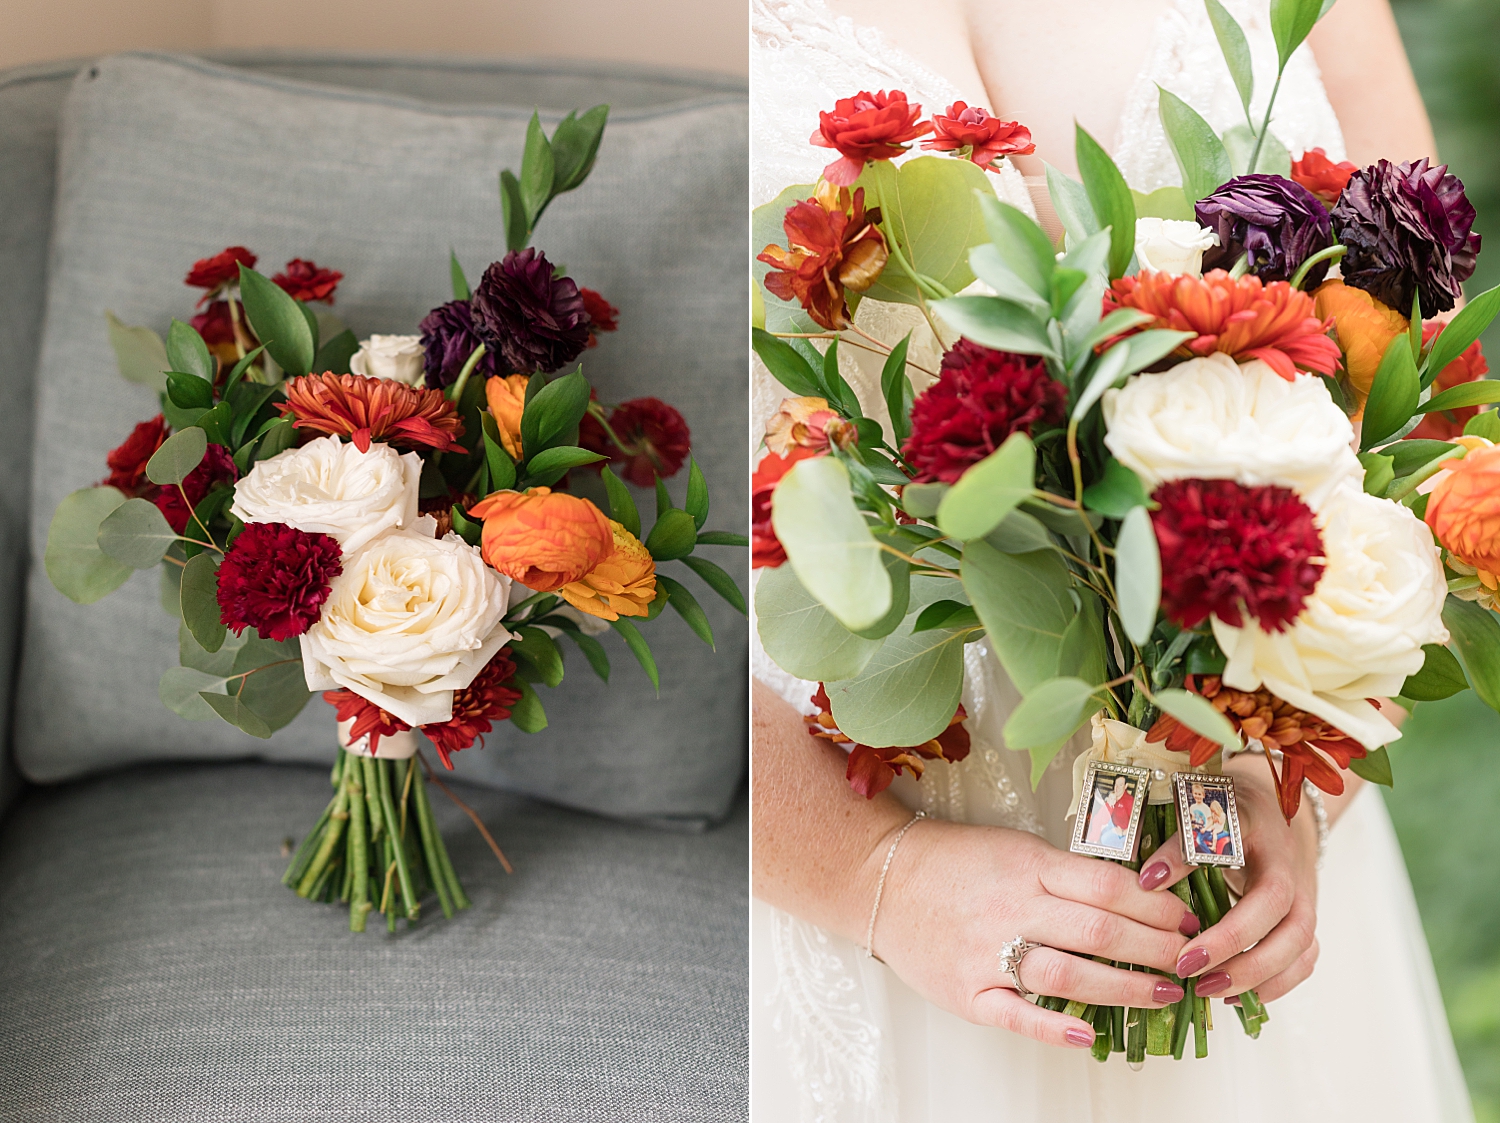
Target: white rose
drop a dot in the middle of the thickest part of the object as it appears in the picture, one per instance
(330, 487)
(410, 620)
(1171, 245)
(391, 356)
(1215, 419)
(1360, 633)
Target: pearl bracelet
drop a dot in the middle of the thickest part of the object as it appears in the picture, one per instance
(880, 885)
(1320, 817)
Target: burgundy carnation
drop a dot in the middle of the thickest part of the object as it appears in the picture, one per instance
(981, 397)
(448, 339)
(304, 280)
(217, 467)
(537, 321)
(127, 463)
(221, 269)
(655, 434)
(488, 699)
(275, 579)
(1226, 547)
(1277, 221)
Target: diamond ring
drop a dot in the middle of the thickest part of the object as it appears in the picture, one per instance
(1011, 953)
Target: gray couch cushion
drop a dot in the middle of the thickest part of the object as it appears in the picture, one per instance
(164, 159)
(156, 971)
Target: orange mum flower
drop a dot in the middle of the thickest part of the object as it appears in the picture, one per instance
(1364, 327)
(623, 584)
(542, 538)
(372, 409)
(507, 400)
(870, 770)
(1242, 318)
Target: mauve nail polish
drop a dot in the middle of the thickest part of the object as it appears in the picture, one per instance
(1193, 962)
(1212, 983)
(1167, 991)
(1190, 925)
(1080, 1037)
(1154, 874)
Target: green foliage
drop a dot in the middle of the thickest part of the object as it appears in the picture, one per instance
(696, 502)
(1110, 198)
(801, 635)
(139, 353)
(640, 649)
(548, 169)
(1198, 714)
(786, 364)
(1200, 154)
(1001, 324)
(75, 565)
(178, 456)
(1117, 491)
(334, 355)
(536, 653)
(527, 714)
(1374, 767)
(1475, 633)
(279, 322)
(1291, 21)
(717, 580)
(1137, 574)
(1393, 395)
(199, 603)
(766, 229)
(673, 536)
(1020, 533)
(1485, 391)
(990, 490)
(1050, 713)
(930, 212)
(945, 614)
(1235, 49)
(1025, 604)
(1467, 326)
(1071, 202)
(907, 692)
(621, 506)
(188, 354)
(136, 534)
(456, 276)
(687, 607)
(551, 417)
(899, 571)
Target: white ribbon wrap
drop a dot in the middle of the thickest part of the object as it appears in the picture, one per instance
(1118, 743)
(393, 746)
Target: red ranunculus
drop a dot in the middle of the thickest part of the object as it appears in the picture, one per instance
(221, 269)
(217, 467)
(275, 578)
(981, 397)
(487, 699)
(988, 138)
(127, 464)
(867, 127)
(1320, 175)
(655, 437)
(304, 280)
(601, 313)
(366, 715)
(765, 548)
(214, 324)
(1446, 424)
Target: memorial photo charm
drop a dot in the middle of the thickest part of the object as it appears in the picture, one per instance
(1109, 811)
(1209, 821)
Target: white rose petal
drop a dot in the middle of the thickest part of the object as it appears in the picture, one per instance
(1215, 419)
(1361, 631)
(330, 487)
(391, 356)
(410, 620)
(1171, 245)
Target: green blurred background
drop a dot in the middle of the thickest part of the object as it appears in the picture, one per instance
(1448, 762)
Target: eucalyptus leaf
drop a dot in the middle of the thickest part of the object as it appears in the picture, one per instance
(1138, 575)
(1025, 604)
(76, 566)
(139, 352)
(177, 457)
(136, 534)
(989, 490)
(899, 571)
(801, 636)
(930, 209)
(906, 694)
(1020, 533)
(923, 500)
(946, 614)
(235, 711)
(179, 691)
(1239, 142)
(1164, 202)
(200, 603)
(1082, 654)
(1050, 712)
(1117, 492)
(1198, 714)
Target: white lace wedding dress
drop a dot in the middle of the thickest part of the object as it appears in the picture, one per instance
(837, 1037)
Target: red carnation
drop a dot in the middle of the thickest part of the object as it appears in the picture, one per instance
(366, 715)
(867, 127)
(1225, 546)
(988, 138)
(275, 579)
(981, 397)
(217, 467)
(766, 551)
(1446, 424)
(1320, 175)
(489, 698)
(304, 280)
(601, 313)
(221, 269)
(127, 464)
(870, 770)
(655, 437)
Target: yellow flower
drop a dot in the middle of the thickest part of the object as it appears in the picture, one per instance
(623, 584)
(507, 398)
(1364, 327)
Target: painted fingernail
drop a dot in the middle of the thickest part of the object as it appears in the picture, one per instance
(1154, 874)
(1193, 962)
(1081, 1037)
(1190, 925)
(1232, 1000)
(1167, 992)
(1212, 983)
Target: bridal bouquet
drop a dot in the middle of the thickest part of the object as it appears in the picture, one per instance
(1208, 478)
(390, 522)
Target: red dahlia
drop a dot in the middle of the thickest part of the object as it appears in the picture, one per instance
(303, 280)
(981, 397)
(487, 699)
(601, 313)
(765, 548)
(127, 464)
(1225, 547)
(217, 467)
(221, 269)
(275, 579)
(366, 715)
(655, 435)
(867, 127)
(870, 770)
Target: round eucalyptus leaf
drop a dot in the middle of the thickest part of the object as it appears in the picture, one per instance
(76, 566)
(179, 454)
(136, 534)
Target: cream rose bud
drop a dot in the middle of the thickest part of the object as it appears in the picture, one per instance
(1360, 633)
(1215, 419)
(391, 356)
(331, 487)
(410, 620)
(1171, 245)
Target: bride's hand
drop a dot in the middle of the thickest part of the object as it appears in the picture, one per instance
(1267, 942)
(955, 893)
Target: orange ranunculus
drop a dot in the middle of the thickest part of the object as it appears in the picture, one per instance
(799, 423)
(1241, 317)
(542, 538)
(506, 395)
(623, 584)
(372, 409)
(835, 244)
(1464, 510)
(1445, 425)
(1365, 327)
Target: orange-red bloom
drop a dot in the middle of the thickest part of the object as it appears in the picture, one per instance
(1364, 327)
(487, 699)
(1320, 175)
(766, 551)
(127, 464)
(987, 138)
(1464, 510)
(506, 395)
(368, 717)
(1243, 318)
(867, 127)
(542, 538)
(623, 584)
(372, 409)
(870, 770)
(1444, 425)
(800, 423)
(835, 245)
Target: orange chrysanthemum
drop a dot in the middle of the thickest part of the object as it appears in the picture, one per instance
(871, 770)
(542, 538)
(623, 584)
(1261, 716)
(1243, 318)
(372, 409)
(506, 396)
(1364, 327)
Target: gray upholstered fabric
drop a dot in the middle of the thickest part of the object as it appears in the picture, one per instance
(165, 159)
(155, 971)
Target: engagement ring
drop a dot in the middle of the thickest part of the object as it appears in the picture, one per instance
(1011, 954)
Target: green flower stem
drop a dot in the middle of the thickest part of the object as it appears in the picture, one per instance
(403, 873)
(456, 391)
(1437, 464)
(338, 769)
(372, 795)
(1182, 1014)
(359, 854)
(331, 836)
(1331, 253)
(1200, 1028)
(1265, 125)
(431, 841)
(1202, 891)
(1117, 1029)
(1220, 888)
(1102, 1030)
(309, 846)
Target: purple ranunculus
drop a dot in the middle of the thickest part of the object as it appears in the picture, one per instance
(1409, 228)
(538, 322)
(1280, 224)
(449, 338)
